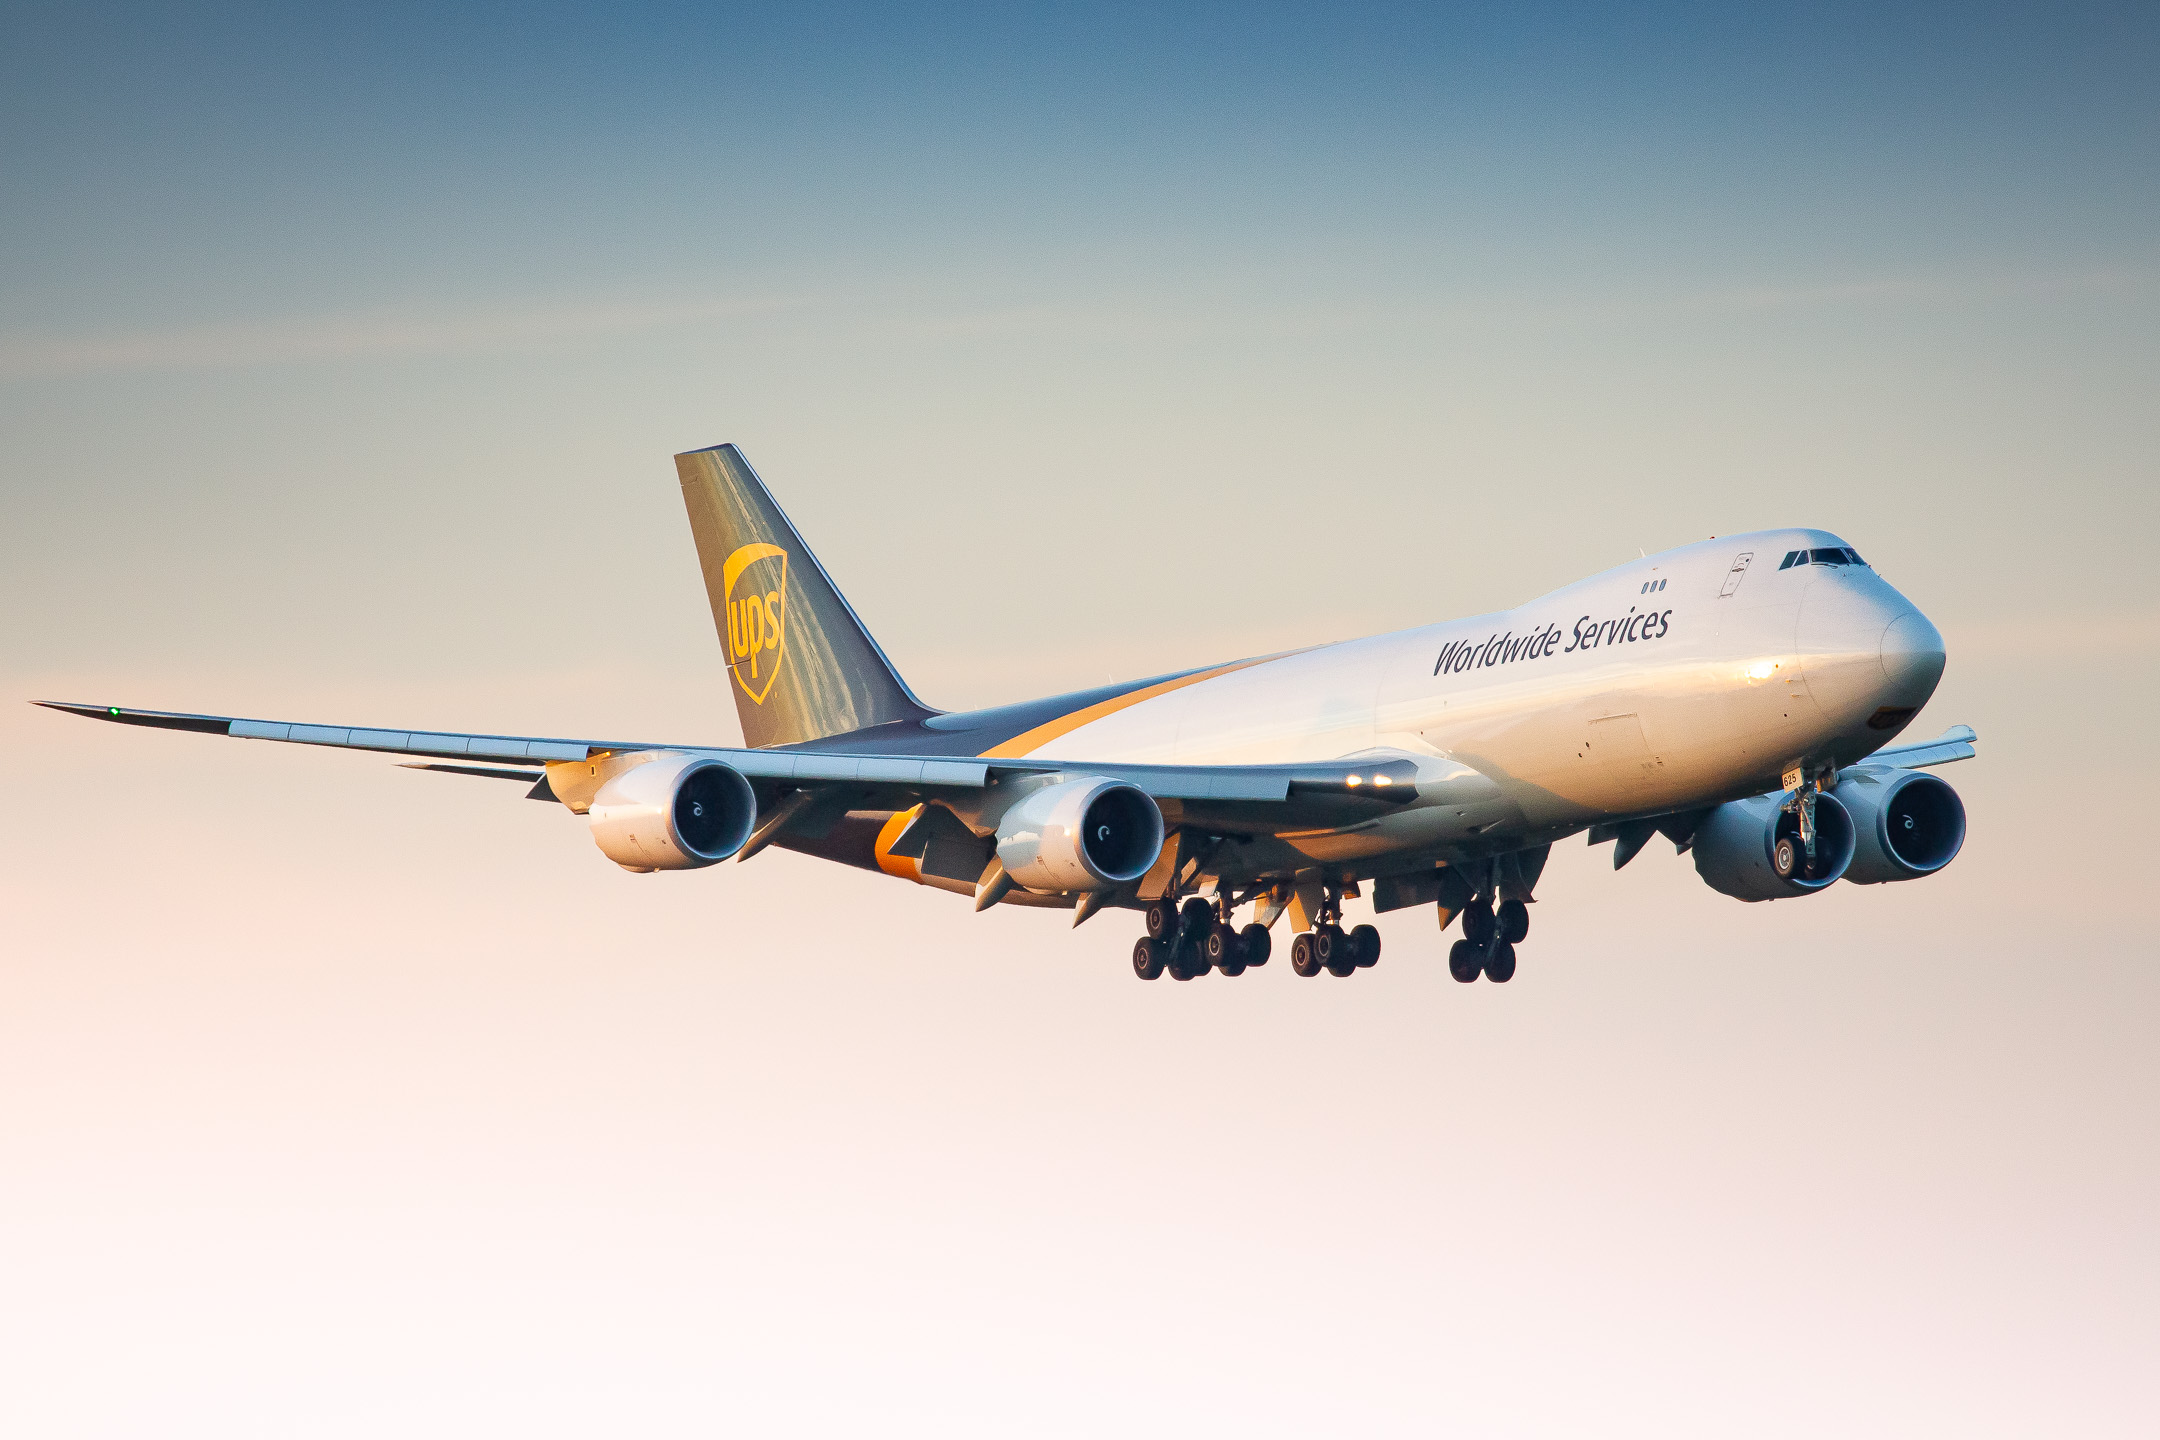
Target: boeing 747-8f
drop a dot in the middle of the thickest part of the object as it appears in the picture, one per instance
(1738, 696)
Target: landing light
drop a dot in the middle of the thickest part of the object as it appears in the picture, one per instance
(1354, 780)
(1382, 780)
(1762, 669)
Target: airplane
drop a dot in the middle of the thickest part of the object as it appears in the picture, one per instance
(1738, 696)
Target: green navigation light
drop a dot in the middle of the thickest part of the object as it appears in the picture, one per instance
(113, 710)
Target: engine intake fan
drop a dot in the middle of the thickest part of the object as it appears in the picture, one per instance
(1910, 825)
(1091, 834)
(674, 812)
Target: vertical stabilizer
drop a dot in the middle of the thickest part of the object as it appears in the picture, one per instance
(803, 666)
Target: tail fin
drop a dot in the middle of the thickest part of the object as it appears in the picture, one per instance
(804, 666)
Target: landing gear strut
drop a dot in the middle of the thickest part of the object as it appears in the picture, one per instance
(1793, 857)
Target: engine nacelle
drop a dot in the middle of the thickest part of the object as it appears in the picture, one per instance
(676, 812)
(1735, 843)
(1093, 834)
(1909, 825)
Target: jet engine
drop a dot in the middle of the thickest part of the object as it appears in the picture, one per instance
(675, 812)
(1737, 848)
(1092, 834)
(1909, 825)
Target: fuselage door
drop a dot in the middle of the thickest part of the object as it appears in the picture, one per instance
(1734, 576)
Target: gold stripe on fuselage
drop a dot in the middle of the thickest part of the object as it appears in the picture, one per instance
(1029, 741)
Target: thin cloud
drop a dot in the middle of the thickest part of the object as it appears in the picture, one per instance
(301, 339)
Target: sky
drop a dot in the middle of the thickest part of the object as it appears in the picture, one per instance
(342, 355)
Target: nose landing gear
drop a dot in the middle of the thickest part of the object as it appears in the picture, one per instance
(1793, 857)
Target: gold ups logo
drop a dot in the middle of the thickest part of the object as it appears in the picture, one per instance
(755, 583)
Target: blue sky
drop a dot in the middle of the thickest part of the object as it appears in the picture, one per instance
(170, 166)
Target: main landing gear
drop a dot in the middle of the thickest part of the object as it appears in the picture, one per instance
(1189, 940)
(1327, 946)
(1489, 940)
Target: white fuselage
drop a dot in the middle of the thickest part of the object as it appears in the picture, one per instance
(1670, 682)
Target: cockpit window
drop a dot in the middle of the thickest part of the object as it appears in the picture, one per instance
(1840, 556)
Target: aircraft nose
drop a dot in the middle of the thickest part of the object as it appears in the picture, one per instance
(1912, 657)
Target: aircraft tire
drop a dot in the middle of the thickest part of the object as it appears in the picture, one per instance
(1195, 918)
(1477, 924)
(1465, 962)
(1147, 958)
(1365, 944)
(1787, 858)
(1223, 950)
(1302, 958)
(1500, 964)
(1337, 955)
(1514, 920)
(1253, 940)
(1162, 920)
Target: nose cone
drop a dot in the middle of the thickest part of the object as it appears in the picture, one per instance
(1912, 658)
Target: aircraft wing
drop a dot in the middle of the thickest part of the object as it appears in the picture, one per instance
(1956, 743)
(1261, 798)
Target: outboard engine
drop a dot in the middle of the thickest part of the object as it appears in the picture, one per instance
(674, 812)
(1738, 848)
(1092, 834)
(1909, 824)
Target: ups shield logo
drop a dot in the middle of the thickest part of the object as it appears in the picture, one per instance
(755, 583)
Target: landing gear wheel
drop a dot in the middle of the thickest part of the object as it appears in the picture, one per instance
(1185, 962)
(1253, 940)
(1162, 920)
(1223, 951)
(1365, 944)
(1194, 918)
(1787, 858)
(1500, 964)
(1147, 958)
(1337, 955)
(1302, 958)
(1477, 924)
(1465, 962)
(1514, 921)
